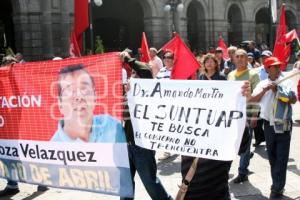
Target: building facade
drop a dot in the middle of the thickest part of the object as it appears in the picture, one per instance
(40, 29)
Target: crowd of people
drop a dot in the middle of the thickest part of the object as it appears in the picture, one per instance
(269, 98)
(269, 95)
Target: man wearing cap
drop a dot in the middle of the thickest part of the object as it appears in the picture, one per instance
(155, 62)
(242, 72)
(275, 100)
(261, 70)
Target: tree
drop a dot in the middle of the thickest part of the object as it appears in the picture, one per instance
(99, 45)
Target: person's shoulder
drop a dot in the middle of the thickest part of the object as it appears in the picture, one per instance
(253, 73)
(55, 137)
(105, 119)
(232, 74)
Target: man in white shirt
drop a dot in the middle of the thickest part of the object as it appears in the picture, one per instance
(267, 93)
(155, 62)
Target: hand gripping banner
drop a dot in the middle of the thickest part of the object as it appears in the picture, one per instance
(60, 124)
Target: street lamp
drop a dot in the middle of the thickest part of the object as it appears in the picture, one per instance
(97, 3)
(173, 6)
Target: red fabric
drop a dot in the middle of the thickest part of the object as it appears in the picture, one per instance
(223, 46)
(281, 50)
(81, 22)
(186, 64)
(292, 35)
(40, 79)
(74, 48)
(144, 49)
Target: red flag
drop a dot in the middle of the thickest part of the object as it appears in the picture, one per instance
(81, 22)
(292, 35)
(281, 50)
(223, 46)
(144, 49)
(185, 64)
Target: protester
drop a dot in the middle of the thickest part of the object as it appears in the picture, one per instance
(229, 64)
(219, 56)
(155, 62)
(252, 61)
(278, 124)
(8, 60)
(263, 75)
(242, 72)
(211, 69)
(210, 180)
(142, 160)
(12, 187)
(19, 58)
(252, 49)
(165, 73)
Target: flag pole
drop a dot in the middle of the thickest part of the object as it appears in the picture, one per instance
(91, 26)
(271, 25)
(288, 77)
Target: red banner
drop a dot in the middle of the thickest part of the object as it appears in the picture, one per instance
(29, 100)
(186, 64)
(57, 118)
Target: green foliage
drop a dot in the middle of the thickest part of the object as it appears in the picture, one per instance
(99, 45)
(9, 51)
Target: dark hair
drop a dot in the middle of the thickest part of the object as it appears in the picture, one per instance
(213, 57)
(71, 69)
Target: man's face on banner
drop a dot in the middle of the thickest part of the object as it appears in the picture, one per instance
(77, 101)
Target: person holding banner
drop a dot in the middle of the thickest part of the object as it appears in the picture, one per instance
(210, 180)
(211, 68)
(142, 160)
(242, 72)
(12, 186)
(165, 73)
(77, 101)
(275, 97)
(199, 187)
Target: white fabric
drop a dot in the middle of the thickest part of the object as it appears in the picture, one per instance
(266, 102)
(188, 117)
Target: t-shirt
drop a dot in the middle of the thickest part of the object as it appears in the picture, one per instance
(252, 76)
(105, 129)
(266, 102)
(248, 74)
(164, 73)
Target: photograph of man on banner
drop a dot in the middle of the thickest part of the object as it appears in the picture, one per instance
(77, 101)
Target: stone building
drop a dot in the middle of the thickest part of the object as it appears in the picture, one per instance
(40, 28)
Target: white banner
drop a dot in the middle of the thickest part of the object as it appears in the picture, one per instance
(187, 117)
(65, 153)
